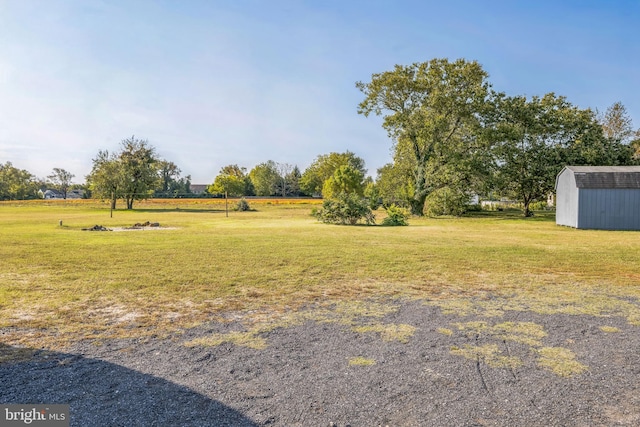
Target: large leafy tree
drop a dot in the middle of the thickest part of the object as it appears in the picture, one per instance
(323, 168)
(169, 174)
(292, 181)
(171, 184)
(265, 178)
(535, 138)
(130, 174)
(436, 108)
(233, 181)
(61, 179)
(139, 164)
(17, 184)
(106, 179)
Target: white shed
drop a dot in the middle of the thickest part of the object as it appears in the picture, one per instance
(599, 197)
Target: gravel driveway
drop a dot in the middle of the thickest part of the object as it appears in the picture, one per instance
(451, 371)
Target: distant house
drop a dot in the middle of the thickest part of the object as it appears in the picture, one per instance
(198, 188)
(599, 197)
(75, 194)
(52, 194)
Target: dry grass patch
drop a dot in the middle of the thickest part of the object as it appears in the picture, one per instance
(560, 361)
(489, 354)
(361, 361)
(389, 332)
(243, 339)
(527, 333)
(358, 315)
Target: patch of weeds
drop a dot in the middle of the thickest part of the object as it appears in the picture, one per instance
(561, 361)
(361, 361)
(243, 339)
(445, 331)
(609, 329)
(548, 299)
(356, 314)
(389, 332)
(355, 309)
(558, 360)
(489, 354)
(527, 333)
(461, 307)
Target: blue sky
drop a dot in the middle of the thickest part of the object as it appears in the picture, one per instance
(210, 83)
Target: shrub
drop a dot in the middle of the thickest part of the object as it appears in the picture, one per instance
(346, 209)
(446, 201)
(396, 216)
(538, 206)
(243, 205)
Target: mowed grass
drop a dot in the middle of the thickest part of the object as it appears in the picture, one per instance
(60, 284)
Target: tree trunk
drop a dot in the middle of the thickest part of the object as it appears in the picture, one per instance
(129, 203)
(526, 211)
(420, 192)
(113, 203)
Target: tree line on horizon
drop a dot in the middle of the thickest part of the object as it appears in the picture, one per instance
(452, 136)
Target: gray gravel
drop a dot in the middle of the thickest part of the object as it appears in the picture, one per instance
(303, 378)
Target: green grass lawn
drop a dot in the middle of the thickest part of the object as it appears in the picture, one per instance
(59, 284)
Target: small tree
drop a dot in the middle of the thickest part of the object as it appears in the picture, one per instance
(61, 179)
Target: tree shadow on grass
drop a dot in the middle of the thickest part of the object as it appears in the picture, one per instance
(513, 215)
(101, 393)
(164, 210)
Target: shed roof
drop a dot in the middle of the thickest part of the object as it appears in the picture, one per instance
(606, 176)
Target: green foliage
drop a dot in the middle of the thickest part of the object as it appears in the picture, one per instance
(394, 185)
(265, 178)
(446, 201)
(323, 168)
(171, 184)
(292, 182)
(139, 164)
(17, 184)
(434, 112)
(344, 180)
(538, 206)
(345, 209)
(372, 194)
(534, 138)
(243, 205)
(233, 180)
(396, 216)
(106, 179)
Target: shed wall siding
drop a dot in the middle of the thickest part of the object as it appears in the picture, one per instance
(609, 209)
(567, 200)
